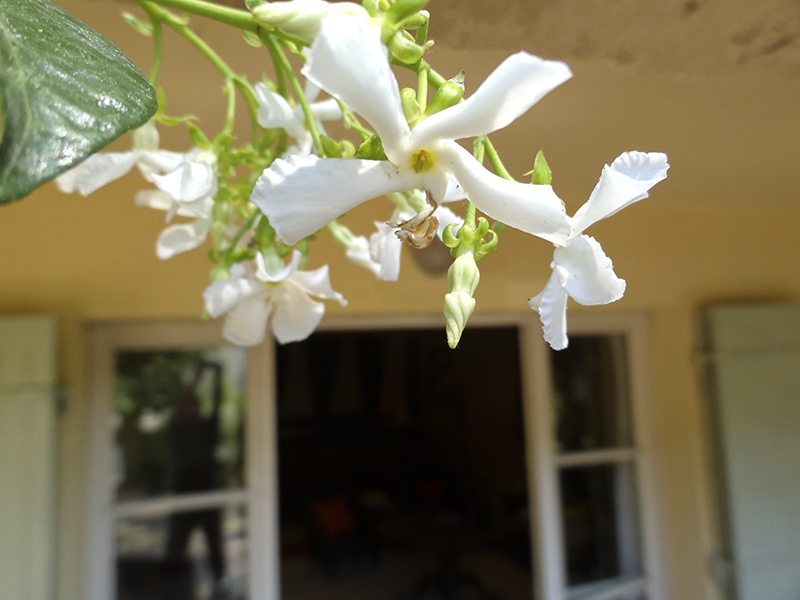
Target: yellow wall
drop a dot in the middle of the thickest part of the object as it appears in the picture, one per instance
(722, 228)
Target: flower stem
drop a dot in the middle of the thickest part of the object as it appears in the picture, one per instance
(241, 19)
(158, 44)
(282, 63)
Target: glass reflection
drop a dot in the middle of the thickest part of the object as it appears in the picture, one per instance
(590, 394)
(600, 522)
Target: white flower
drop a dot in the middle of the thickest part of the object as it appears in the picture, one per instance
(188, 191)
(580, 267)
(283, 292)
(274, 112)
(104, 167)
(347, 60)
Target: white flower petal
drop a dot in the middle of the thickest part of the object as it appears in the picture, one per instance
(551, 304)
(358, 253)
(626, 181)
(296, 316)
(274, 112)
(190, 181)
(327, 110)
(153, 199)
(222, 296)
(534, 209)
(348, 61)
(96, 171)
(517, 84)
(385, 248)
(182, 238)
(454, 192)
(318, 283)
(246, 324)
(280, 272)
(302, 194)
(159, 161)
(586, 273)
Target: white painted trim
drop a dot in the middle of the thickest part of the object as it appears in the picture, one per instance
(262, 473)
(544, 492)
(105, 339)
(608, 589)
(157, 507)
(596, 457)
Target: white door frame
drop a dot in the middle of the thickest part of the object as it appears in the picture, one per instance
(261, 449)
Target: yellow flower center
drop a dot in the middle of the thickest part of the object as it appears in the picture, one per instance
(422, 161)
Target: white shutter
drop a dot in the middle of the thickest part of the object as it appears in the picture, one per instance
(755, 378)
(27, 457)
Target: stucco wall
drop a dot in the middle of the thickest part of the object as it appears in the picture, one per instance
(723, 227)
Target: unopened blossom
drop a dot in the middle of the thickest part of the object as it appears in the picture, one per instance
(303, 17)
(188, 190)
(104, 167)
(347, 60)
(274, 112)
(581, 270)
(280, 294)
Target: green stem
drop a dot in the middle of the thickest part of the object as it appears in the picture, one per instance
(422, 69)
(494, 160)
(283, 64)
(230, 116)
(242, 230)
(241, 19)
(158, 45)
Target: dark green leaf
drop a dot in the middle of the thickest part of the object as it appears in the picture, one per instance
(65, 91)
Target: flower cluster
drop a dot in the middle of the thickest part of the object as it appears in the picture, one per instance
(264, 202)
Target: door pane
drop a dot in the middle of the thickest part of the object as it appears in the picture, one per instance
(590, 394)
(600, 516)
(179, 420)
(178, 424)
(193, 555)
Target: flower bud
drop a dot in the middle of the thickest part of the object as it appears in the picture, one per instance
(449, 94)
(403, 47)
(411, 110)
(402, 10)
(463, 277)
(302, 18)
(146, 137)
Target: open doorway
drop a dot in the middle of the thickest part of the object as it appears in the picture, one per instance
(402, 467)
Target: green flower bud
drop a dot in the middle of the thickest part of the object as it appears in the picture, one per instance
(302, 18)
(403, 47)
(371, 149)
(541, 171)
(411, 110)
(449, 94)
(403, 9)
(371, 6)
(458, 309)
(463, 275)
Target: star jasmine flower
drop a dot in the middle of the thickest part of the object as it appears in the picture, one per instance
(581, 269)
(280, 293)
(188, 190)
(104, 167)
(275, 112)
(347, 60)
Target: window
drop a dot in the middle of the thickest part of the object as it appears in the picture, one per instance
(583, 501)
(182, 466)
(596, 511)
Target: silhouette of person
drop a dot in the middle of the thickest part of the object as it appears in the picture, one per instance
(193, 440)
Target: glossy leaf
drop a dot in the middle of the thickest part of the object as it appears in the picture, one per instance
(65, 92)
